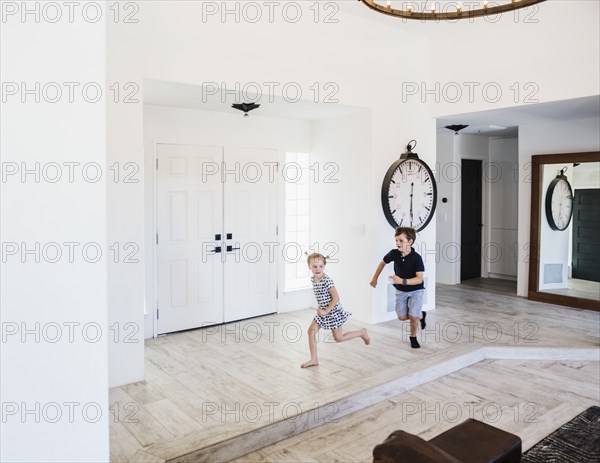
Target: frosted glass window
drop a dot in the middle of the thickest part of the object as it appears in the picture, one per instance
(297, 220)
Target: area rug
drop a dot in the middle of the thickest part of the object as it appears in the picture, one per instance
(577, 441)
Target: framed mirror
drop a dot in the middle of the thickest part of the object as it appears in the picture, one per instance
(564, 266)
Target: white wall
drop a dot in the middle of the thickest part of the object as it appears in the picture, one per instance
(339, 214)
(501, 174)
(125, 208)
(545, 53)
(448, 186)
(546, 137)
(54, 374)
(421, 127)
(554, 245)
(585, 176)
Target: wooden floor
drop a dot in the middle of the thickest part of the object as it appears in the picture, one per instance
(491, 285)
(546, 395)
(579, 288)
(205, 386)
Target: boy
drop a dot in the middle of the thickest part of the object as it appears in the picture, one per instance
(408, 280)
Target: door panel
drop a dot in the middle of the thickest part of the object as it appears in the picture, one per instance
(471, 223)
(204, 192)
(189, 213)
(250, 217)
(586, 229)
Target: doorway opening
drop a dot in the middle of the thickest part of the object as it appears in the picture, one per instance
(471, 222)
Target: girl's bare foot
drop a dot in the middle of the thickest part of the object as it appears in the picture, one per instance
(310, 363)
(365, 337)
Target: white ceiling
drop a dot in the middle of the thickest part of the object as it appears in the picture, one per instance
(483, 122)
(190, 96)
(490, 123)
(487, 122)
(180, 95)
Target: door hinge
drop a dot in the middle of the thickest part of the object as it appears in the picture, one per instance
(157, 238)
(156, 163)
(276, 230)
(157, 313)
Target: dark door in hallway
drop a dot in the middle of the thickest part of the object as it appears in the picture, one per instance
(470, 222)
(586, 229)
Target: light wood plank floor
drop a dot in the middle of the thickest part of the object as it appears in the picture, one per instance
(546, 395)
(491, 285)
(205, 386)
(579, 288)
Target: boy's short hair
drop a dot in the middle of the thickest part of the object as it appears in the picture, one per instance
(409, 232)
(316, 255)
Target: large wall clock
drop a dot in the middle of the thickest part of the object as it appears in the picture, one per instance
(409, 192)
(559, 202)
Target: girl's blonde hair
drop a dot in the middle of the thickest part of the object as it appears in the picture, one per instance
(316, 255)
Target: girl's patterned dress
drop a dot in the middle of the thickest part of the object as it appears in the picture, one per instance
(338, 315)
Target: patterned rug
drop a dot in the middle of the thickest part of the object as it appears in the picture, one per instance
(577, 441)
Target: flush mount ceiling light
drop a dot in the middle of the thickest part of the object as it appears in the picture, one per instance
(456, 128)
(445, 10)
(246, 107)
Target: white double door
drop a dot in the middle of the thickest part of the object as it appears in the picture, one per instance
(216, 235)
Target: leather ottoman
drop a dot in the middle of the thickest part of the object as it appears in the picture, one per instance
(469, 442)
(478, 442)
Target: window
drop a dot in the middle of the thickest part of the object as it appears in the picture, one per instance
(296, 177)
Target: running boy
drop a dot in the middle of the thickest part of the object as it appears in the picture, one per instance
(408, 280)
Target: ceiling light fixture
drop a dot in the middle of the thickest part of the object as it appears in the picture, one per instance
(245, 107)
(449, 9)
(456, 128)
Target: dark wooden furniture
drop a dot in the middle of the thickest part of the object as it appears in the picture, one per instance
(472, 441)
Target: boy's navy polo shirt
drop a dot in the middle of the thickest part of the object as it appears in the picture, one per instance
(406, 266)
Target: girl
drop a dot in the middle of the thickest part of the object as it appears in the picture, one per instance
(330, 314)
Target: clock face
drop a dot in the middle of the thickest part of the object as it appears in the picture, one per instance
(409, 194)
(559, 203)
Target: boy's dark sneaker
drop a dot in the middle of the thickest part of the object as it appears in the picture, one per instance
(414, 343)
(423, 324)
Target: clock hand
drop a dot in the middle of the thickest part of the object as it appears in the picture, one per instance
(412, 186)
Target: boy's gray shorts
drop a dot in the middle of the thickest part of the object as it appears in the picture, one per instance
(409, 303)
